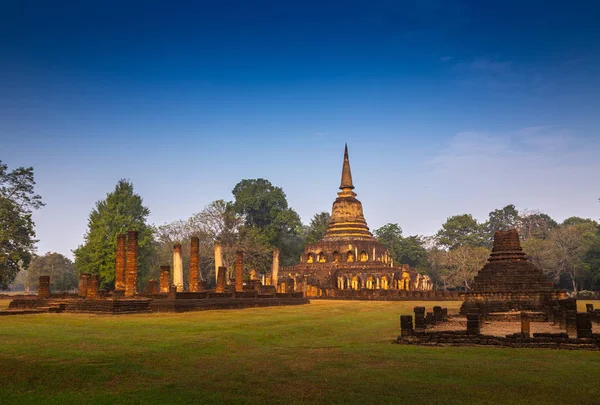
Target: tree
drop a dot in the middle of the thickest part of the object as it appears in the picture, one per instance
(61, 270)
(267, 217)
(409, 250)
(502, 220)
(121, 211)
(535, 224)
(390, 236)
(461, 230)
(317, 228)
(17, 233)
(579, 221)
(216, 221)
(462, 264)
(565, 252)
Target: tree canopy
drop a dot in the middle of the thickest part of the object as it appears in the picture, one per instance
(268, 218)
(317, 227)
(121, 211)
(404, 250)
(461, 230)
(61, 270)
(17, 232)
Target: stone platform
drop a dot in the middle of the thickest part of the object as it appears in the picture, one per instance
(185, 305)
(181, 302)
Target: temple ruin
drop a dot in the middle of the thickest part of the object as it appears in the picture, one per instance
(348, 261)
(511, 304)
(508, 281)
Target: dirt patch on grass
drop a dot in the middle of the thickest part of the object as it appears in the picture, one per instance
(502, 328)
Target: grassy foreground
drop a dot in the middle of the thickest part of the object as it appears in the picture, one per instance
(325, 352)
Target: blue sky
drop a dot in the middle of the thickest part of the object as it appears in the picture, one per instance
(448, 107)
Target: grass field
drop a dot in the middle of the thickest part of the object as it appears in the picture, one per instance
(325, 352)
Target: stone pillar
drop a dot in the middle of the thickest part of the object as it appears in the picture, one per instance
(177, 267)
(239, 271)
(83, 284)
(406, 325)
(275, 268)
(419, 317)
(444, 314)
(429, 319)
(172, 292)
(152, 287)
(44, 287)
(92, 290)
(132, 270)
(584, 325)
(222, 273)
(525, 326)
(437, 314)
(571, 321)
(120, 265)
(218, 260)
(194, 263)
(164, 279)
(473, 324)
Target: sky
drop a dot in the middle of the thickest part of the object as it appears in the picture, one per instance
(448, 107)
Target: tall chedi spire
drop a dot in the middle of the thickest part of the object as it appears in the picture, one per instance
(347, 219)
(346, 172)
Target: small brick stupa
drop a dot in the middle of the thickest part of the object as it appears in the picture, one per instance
(508, 281)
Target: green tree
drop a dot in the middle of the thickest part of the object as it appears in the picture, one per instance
(61, 270)
(267, 217)
(579, 221)
(121, 211)
(461, 230)
(409, 250)
(502, 220)
(17, 233)
(317, 227)
(390, 236)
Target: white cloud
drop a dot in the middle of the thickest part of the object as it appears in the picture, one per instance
(540, 167)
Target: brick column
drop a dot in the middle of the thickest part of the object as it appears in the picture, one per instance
(239, 271)
(406, 325)
(571, 321)
(275, 268)
(437, 314)
(92, 290)
(525, 326)
(177, 267)
(419, 317)
(194, 263)
(120, 267)
(132, 265)
(221, 280)
(44, 287)
(165, 279)
(83, 284)
(584, 325)
(473, 324)
(218, 260)
(172, 292)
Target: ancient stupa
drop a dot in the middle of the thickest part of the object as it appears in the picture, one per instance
(349, 256)
(509, 281)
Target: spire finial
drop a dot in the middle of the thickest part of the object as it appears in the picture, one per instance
(346, 173)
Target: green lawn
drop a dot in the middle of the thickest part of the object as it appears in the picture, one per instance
(325, 352)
